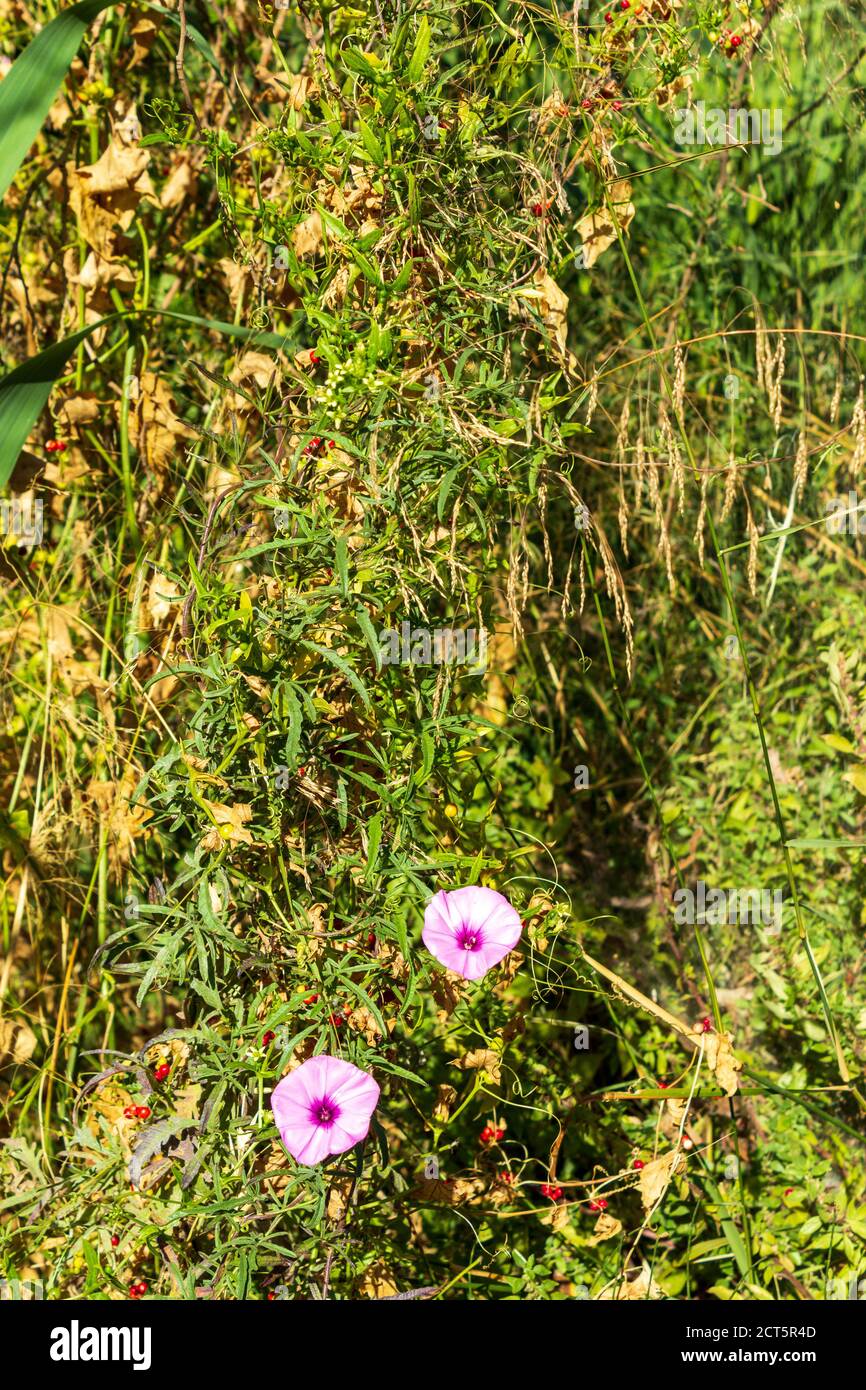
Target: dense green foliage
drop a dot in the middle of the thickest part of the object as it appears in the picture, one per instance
(423, 315)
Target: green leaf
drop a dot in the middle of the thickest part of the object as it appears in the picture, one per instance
(428, 752)
(366, 626)
(351, 676)
(842, 745)
(370, 143)
(31, 84)
(825, 844)
(857, 777)
(366, 267)
(208, 994)
(342, 563)
(419, 53)
(445, 490)
(334, 226)
(374, 838)
(359, 62)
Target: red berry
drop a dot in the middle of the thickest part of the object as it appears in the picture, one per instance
(617, 105)
(599, 1204)
(302, 772)
(663, 1085)
(162, 1071)
(788, 1191)
(271, 1296)
(142, 1287)
(587, 104)
(486, 1135)
(348, 1009)
(337, 1020)
(133, 1291)
(638, 1163)
(624, 4)
(608, 19)
(130, 1112)
(115, 1240)
(506, 1177)
(371, 939)
(55, 446)
(688, 1143)
(537, 210)
(311, 999)
(706, 1025)
(736, 40)
(142, 1112)
(267, 1038)
(500, 1134)
(315, 359)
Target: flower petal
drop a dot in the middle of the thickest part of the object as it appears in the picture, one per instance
(309, 1144)
(346, 1134)
(441, 942)
(482, 909)
(295, 1098)
(354, 1090)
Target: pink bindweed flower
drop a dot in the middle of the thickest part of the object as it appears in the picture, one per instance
(470, 930)
(323, 1107)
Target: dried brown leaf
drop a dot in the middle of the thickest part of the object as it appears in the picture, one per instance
(655, 1177)
(597, 230)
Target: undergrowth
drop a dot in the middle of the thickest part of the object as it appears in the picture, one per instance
(507, 360)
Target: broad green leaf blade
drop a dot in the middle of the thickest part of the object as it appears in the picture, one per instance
(24, 392)
(30, 85)
(821, 843)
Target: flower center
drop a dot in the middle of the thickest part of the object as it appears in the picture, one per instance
(469, 939)
(324, 1112)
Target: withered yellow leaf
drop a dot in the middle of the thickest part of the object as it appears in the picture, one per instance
(231, 823)
(17, 1041)
(597, 230)
(307, 236)
(154, 427)
(606, 1227)
(104, 196)
(445, 1098)
(481, 1059)
(655, 1176)
(719, 1054)
(377, 1281)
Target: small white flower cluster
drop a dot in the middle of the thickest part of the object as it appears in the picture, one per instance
(346, 380)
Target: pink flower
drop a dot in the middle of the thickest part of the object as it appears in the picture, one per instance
(323, 1108)
(470, 930)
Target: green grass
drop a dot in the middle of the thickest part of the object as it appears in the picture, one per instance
(224, 814)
